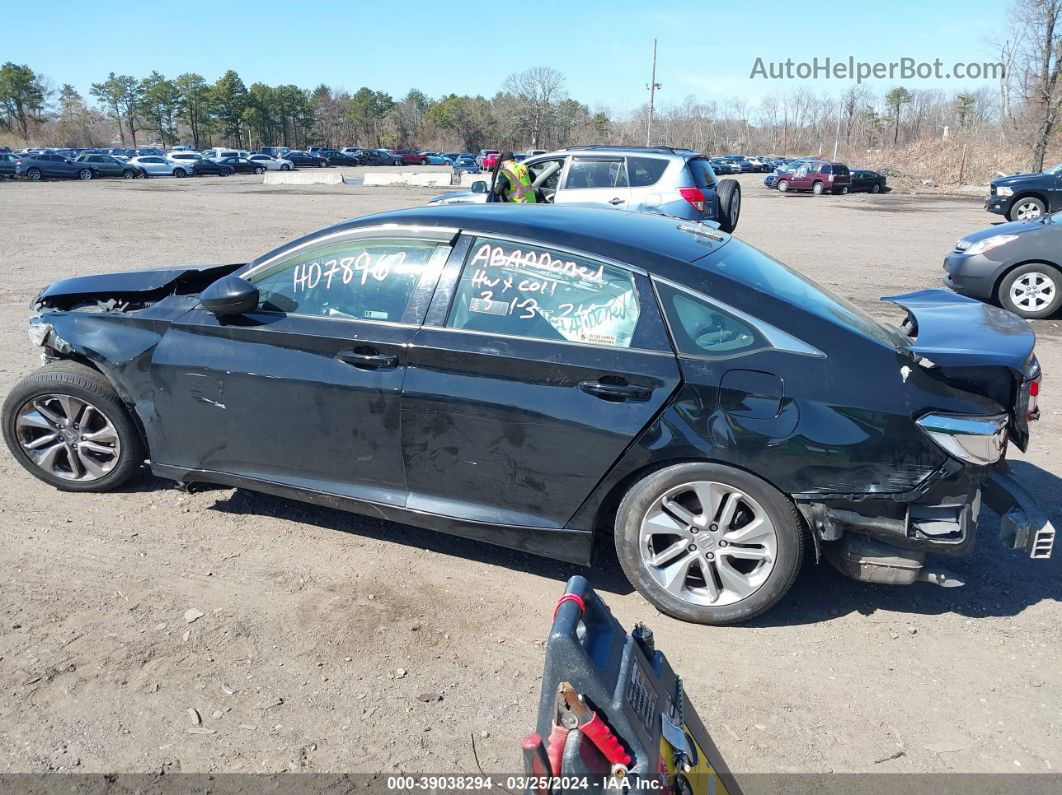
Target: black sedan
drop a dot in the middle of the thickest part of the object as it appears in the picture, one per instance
(241, 165)
(300, 159)
(337, 158)
(204, 166)
(108, 166)
(531, 376)
(865, 180)
(1017, 265)
(40, 166)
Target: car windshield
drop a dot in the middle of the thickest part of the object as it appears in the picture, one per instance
(752, 267)
(1055, 169)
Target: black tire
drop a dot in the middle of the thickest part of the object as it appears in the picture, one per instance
(1048, 299)
(817, 189)
(129, 174)
(789, 534)
(226, 172)
(85, 174)
(321, 164)
(423, 162)
(180, 173)
(783, 185)
(259, 170)
(1026, 208)
(285, 167)
(875, 188)
(33, 175)
(86, 384)
(729, 194)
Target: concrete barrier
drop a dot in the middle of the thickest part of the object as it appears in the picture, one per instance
(468, 179)
(316, 177)
(441, 179)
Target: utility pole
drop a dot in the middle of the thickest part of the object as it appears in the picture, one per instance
(653, 86)
(837, 135)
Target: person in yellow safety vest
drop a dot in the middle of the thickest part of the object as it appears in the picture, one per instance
(512, 182)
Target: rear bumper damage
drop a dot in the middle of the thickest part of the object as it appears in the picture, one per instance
(1023, 525)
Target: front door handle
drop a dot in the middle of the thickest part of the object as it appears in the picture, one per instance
(369, 361)
(617, 200)
(615, 392)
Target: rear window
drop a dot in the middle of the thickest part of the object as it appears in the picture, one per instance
(840, 169)
(645, 171)
(701, 171)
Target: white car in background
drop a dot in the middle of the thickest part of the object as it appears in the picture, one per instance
(220, 153)
(187, 159)
(272, 163)
(156, 166)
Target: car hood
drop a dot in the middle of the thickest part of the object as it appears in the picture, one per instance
(161, 280)
(1020, 179)
(1012, 228)
(953, 330)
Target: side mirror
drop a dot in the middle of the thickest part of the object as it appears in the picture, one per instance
(479, 186)
(230, 295)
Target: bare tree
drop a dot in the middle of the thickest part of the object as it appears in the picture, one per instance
(1039, 61)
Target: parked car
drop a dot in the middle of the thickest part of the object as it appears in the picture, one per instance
(242, 165)
(438, 160)
(205, 166)
(149, 150)
(466, 165)
(194, 164)
(706, 404)
(110, 166)
(870, 181)
(39, 166)
(155, 166)
(300, 159)
(481, 158)
(272, 163)
(817, 177)
(742, 163)
(220, 153)
(1022, 197)
(720, 165)
(337, 158)
(392, 158)
(7, 164)
(759, 165)
(1017, 265)
(274, 151)
(372, 157)
(658, 179)
(411, 157)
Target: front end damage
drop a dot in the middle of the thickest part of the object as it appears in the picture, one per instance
(887, 537)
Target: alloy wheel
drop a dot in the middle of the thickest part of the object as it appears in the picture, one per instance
(708, 543)
(67, 437)
(84, 174)
(1033, 291)
(1027, 210)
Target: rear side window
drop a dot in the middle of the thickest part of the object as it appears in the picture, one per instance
(826, 169)
(529, 291)
(700, 329)
(595, 173)
(645, 171)
(701, 171)
(354, 279)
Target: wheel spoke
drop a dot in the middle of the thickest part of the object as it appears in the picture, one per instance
(665, 556)
(676, 510)
(710, 496)
(40, 441)
(748, 553)
(35, 419)
(759, 528)
(732, 579)
(50, 416)
(94, 467)
(72, 407)
(102, 449)
(674, 576)
(105, 434)
(45, 458)
(730, 506)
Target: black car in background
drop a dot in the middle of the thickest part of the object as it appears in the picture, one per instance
(108, 166)
(299, 159)
(865, 180)
(372, 157)
(1023, 197)
(241, 165)
(1017, 265)
(204, 166)
(37, 167)
(337, 158)
(531, 376)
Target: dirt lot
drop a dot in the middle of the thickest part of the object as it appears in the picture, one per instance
(321, 630)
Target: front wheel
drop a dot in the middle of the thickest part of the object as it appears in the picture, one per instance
(783, 185)
(128, 174)
(285, 167)
(180, 173)
(1026, 209)
(875, 188)
(259, 170)
(84, 174)
(1031, 290)
(708, 543)
(321, 164)
(67, 426)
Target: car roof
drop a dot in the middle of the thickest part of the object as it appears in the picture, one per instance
(607, 232)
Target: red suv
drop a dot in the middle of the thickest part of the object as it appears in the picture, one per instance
(411, 157)
(817, 176)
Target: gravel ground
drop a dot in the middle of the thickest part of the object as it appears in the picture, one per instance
(330, 642)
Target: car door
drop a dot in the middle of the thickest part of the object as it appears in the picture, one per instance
(598, 180)
(305, 390)
(1054, 196)
(525, 387)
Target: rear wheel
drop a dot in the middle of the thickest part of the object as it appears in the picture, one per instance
(321, 164)
(1026, 208)
(285, 167)
(783, 185)
(729, 193)
(129, 174)
(68, 427)
(709, 543)
(1033, 290)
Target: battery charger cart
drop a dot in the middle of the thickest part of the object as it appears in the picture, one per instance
(613, 714)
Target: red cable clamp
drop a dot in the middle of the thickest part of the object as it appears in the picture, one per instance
(570, 597)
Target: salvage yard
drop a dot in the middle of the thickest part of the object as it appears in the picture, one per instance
(153, 630)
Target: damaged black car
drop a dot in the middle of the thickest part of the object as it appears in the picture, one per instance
(538, 377)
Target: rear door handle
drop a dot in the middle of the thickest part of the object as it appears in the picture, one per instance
(369, 361)
(615, 392)
(617, 200)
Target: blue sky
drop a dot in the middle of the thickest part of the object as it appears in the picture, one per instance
(706, 49)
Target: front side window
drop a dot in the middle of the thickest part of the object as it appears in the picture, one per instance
(595, 173)
(365, 279)
(529, 291)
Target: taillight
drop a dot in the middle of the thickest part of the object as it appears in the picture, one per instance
(1034, 399)
(694, 196)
